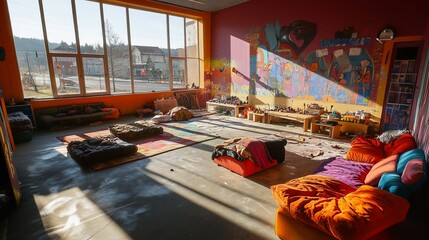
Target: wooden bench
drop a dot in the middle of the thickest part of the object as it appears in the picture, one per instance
(334, 132)
(212, 106)
(257, 117)
(304, 118)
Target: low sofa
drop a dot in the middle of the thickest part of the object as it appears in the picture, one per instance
(74, 114)
(356, 197)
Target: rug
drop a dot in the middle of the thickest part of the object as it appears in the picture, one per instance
(176, 135)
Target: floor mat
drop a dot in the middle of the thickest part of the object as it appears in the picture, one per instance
(176, 135)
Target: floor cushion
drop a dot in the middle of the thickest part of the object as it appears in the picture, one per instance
(234, 155)
(339, 209)
(98, 149)
(245, 168)
(139, 129)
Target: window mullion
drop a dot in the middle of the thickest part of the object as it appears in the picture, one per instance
(170, 61)
(78, 51)
(106, 59)
(129, 51)
(185, 49)
(48, 54)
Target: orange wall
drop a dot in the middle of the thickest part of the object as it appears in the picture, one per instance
(10, 78)
(9, 73)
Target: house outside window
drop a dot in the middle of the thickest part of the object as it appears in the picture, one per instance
(86, 48)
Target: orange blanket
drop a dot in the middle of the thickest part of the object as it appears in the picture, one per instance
(338, 209)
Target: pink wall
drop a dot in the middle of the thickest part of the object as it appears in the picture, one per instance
(345, 73)
(366, 16)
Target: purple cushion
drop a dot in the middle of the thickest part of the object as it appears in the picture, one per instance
(350, 172)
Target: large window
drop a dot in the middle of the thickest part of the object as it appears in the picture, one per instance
(149, 45)
(79, 48)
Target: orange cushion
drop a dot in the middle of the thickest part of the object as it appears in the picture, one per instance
(386, 165)
(334, 208)
(115, 113)
(402, 144)
(366, 150)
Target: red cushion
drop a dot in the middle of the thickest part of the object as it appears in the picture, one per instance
(366, 150)
(244, 168)
(402, 144)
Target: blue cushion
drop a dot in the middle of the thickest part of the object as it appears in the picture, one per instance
(405, 157)
(392, 183)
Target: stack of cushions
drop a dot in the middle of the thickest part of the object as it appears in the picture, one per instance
(408, 175)
(21, 127)
(356, 197)
(247, 156)
(399, 167)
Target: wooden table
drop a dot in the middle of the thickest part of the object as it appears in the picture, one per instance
(304, 118)
(211, 106)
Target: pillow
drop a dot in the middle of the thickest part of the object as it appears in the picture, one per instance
(161, 118)
(366, 150)
(413, 171)
(391, 135)
(349, 172)
(386, 165)
(407, 156)
(392, 183)
(402, 144)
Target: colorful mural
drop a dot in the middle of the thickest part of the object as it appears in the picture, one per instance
(220, 76)
(341, 71)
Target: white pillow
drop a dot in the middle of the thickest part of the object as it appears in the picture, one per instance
(391, 135)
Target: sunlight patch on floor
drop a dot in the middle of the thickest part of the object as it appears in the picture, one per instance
(70, 214)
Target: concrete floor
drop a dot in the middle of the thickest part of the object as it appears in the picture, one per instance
(180, 194)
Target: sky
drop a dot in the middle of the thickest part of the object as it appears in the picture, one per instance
(147, 28)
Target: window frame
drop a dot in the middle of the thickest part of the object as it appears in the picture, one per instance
(79, 56)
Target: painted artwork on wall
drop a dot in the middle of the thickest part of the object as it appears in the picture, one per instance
(220, 77)
(340, 71)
